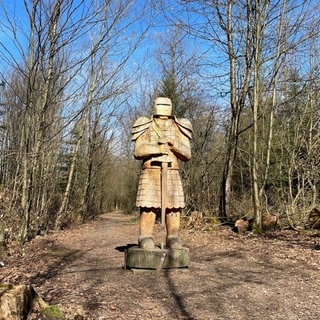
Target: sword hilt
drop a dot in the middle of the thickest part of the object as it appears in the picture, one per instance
(164, 158)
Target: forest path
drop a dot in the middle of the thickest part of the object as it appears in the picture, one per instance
(230, 277)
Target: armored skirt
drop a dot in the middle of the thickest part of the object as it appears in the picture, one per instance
(149, 190)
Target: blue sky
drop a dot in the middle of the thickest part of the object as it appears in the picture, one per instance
(212, 63)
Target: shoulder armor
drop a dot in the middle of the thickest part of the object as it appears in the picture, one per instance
(139, 127)
(184, 126)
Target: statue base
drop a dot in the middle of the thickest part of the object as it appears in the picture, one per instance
(137, 258)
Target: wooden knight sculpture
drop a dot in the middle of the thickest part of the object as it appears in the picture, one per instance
(160, 141)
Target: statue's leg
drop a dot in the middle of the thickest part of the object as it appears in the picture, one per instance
(173, 226)
(147, 220)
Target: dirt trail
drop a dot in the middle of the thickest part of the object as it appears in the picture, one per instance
(230, 277)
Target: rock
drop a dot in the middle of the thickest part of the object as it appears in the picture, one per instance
(17, 302)
(241, 225)
(269, 221)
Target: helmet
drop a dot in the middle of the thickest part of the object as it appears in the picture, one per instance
(162, 107)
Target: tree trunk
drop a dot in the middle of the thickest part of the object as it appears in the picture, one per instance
(72, 167)
(261, 8)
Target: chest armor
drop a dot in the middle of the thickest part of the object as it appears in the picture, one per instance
(162, 130)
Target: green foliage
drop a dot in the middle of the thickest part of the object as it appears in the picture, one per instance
(169, 88)
(53, 313)
(213, 220)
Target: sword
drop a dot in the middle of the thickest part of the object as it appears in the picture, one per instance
(164, 173)
(165, 160)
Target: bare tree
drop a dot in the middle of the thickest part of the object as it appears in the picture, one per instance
(68, 43)
(105, 92)
(254, 39)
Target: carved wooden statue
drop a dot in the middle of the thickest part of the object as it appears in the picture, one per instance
(160, 142)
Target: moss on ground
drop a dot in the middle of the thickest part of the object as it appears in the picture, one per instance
(53, 313)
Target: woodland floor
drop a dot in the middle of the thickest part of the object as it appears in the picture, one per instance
(275, 276)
